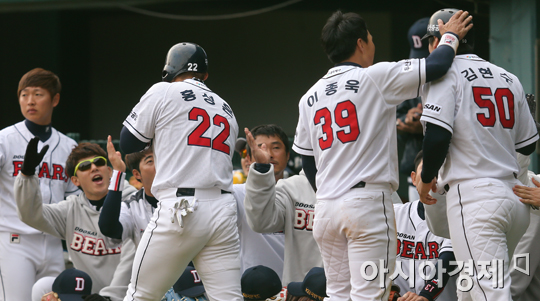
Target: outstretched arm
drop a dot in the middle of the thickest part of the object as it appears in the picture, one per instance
(109, 223)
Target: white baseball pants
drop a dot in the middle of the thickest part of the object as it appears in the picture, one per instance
(486, 221)
(527, 287)
(209, 238)
(21, 264)
(354, 234)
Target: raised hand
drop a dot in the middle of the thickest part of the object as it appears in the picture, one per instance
(32, 158)
(259, 154)
(115, 157)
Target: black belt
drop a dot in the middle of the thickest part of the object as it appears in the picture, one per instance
(360, 184)
(191, 192)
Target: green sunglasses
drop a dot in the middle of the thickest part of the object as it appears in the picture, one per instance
(86, 164)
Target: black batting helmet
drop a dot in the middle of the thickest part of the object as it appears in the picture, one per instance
(445, 14)
(184, 57)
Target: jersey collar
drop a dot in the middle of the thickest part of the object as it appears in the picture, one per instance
(348, 64)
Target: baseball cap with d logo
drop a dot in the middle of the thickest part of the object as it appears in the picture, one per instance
(72, 284)
(313, 286)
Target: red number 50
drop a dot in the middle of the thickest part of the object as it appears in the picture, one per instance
(501, 94)
(345, 117)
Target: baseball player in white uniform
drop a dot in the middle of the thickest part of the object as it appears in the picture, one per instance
(286, 205)
(346, 134)
(420, 249)
(482, 109)
(75, 219)
(193, 132)
(27, 254)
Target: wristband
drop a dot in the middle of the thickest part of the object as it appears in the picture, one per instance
(262, 167)
(450, 39)
(117, 181)
(431, 290)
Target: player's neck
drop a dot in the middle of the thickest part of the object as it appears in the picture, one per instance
(358, 58)
(42, 131)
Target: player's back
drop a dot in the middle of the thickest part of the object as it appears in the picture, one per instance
(491, 119)
(347, 122)
(195, 131)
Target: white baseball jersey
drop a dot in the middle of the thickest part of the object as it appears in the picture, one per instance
(75, 220)
(484, 108)
(193, 131)
(348, 123)
(135, 214)
(255, 248)
(53, 180)
(416, 243)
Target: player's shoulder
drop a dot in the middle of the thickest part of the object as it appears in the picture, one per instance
(404, 209)
(135, 198)
(65, 140)
(9, 130)
(295, 183)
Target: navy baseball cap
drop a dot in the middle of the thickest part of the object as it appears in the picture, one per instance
(260, 282)
(189, 284)
(419, 47)
(314, 285)
(72, 284)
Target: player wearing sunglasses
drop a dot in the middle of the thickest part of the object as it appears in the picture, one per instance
(75, 219)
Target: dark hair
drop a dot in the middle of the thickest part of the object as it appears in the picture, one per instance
(81, 151)
(340, 35)
(133, 160)
(269, 130)
(39, 77)
(418, 159)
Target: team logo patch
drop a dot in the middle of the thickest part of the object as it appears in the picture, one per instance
(434, 109)
(15, 238)
(407, 66)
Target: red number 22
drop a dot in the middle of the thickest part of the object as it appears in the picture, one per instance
(196, 137)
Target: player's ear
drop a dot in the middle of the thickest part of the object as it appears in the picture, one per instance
(360, 44)
(75, 181)
(205, 76)
(56, 100)
(413, 177)
(137, 175)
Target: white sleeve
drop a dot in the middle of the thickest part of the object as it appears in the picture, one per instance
(48, 218)
(398, 81)
(440, 101)
(526, 132)
(141, 122)
(265, 210)
(302, 138)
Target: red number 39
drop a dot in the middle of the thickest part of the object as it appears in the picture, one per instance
(345, 117)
